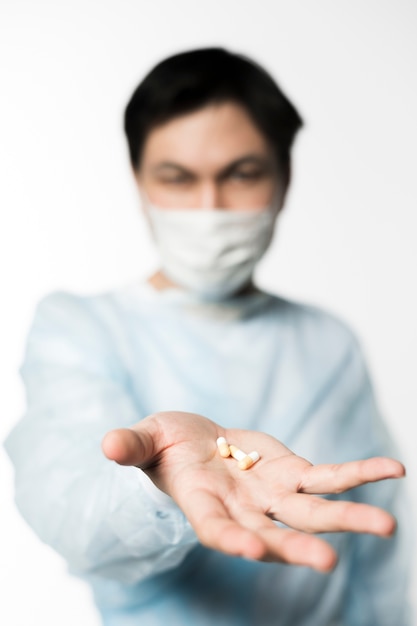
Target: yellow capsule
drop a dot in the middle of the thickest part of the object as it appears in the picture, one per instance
(236, 453)
(248, 460)
(223, 447)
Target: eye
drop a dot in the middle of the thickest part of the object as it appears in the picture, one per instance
(247, 175)
(176, 179)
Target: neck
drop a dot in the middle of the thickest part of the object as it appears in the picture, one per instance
(160, 282)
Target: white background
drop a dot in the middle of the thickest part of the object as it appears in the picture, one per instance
(69, 213)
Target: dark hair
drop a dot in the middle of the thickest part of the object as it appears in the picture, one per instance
(190, 80)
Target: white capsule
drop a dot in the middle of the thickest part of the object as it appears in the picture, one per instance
(236, 453)
(223, 447)
(248, 460)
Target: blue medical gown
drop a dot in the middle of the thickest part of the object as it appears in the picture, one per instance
(256, 361)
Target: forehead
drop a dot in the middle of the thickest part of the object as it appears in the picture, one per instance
(211, 136)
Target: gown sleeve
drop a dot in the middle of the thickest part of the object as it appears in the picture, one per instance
(379, 579)
(102, 518)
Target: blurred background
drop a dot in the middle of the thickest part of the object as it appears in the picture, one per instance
(69, 214)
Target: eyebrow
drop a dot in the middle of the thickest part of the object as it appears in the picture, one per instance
(254, 159)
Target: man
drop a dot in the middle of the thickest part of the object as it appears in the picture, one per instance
(152, 374)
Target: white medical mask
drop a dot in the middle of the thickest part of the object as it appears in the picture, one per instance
(211, 252)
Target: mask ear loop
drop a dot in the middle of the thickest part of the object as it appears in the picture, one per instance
(144, 199)
(147, 207)
(280, 193)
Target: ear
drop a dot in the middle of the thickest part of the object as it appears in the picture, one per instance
(136, 176)
(139, 185)
(288, 175)
(286, 179)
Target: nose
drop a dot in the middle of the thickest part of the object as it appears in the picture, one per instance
(210, 196)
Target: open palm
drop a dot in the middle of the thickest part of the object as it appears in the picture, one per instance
(235, 511)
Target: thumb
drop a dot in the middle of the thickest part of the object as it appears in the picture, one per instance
(132, 446)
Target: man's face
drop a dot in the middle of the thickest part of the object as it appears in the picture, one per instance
(214, 157)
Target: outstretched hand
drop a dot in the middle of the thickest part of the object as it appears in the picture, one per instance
(233, 511)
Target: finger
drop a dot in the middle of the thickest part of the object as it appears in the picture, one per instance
(133, 446)
(316, 515)
(338, 478)
(217, 530)
(288, 546)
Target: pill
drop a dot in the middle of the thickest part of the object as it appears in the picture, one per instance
(223, 447)
(237, 454)
(248, 460)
